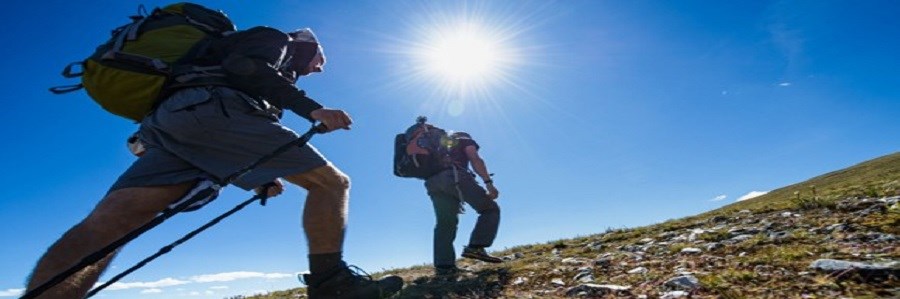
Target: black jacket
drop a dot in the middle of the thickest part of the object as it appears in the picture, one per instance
(251, 59)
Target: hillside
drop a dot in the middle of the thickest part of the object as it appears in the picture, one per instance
(833, 236)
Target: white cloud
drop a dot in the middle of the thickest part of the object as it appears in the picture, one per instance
(165, 282)
(230, 276)
(218, 288)
(752, 194)
(151, 291)
(11, 292)
(168, 282)
(719, 198)
(784, 84)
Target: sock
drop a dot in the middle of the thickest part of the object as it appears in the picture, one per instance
(323, 262)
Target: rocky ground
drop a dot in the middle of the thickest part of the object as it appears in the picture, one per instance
(817, 249)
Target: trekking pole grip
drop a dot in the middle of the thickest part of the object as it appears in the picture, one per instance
(320, 128)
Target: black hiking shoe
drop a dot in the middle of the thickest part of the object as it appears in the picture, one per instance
(448, 271)
(480, 254)
(348, 282)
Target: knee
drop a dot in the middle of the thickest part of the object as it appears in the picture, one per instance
(491, 209)
(326, 177)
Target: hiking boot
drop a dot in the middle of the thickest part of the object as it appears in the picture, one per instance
(447, 271)
(347, 282)
(480, 254)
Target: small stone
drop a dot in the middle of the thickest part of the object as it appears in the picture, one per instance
(591, 289)
(691, 250)
(520, 281)
(557, 282)
(674, 295)
(684, 282)
(638, 270)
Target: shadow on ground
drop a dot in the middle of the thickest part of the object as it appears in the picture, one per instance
(487, 283)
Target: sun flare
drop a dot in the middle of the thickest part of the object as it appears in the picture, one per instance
(462, 55)
(463, 58)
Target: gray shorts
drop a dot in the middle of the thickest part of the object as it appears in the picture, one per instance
(211, 132)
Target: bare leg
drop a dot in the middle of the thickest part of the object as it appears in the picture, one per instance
(120, 212)
(325, 212)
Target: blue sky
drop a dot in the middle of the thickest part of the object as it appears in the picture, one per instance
(592, 114)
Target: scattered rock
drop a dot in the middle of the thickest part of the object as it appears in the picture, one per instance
(674, 295)
(866, 270)
(667, 235)
(590, 289)
(594, 246)
(638, 270)
(512, 257)
(584, 276)
(684, 282)
(603, 262)
(691, 250)
(740, 238)
(557, 282)
(778, 237)
(520, 281)
(718, 218)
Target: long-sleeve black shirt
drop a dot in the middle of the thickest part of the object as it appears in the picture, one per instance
(251, 60)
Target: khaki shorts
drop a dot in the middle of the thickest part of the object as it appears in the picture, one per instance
(211, 132)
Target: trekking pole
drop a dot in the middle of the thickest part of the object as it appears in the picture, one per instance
(263, 196)
(103, 252)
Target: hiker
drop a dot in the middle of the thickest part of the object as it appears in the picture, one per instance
(210, 128)
(449, 189)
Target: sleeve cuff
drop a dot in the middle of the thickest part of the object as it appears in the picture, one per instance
(303, 106)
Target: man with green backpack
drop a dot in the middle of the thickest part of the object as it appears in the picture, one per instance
(207, 108)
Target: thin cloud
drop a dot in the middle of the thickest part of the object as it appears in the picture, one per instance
(719, 198)
(11, 292)
(752, 194)
(231, 276)
(165, 282)
(168, 282)
(151, 291)
(784, 84)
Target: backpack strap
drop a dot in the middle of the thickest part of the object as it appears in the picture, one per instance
(128, 33)
(68, 73)
(65, 88)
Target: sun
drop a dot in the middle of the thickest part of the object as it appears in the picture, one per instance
(462, 54)
(462, 59)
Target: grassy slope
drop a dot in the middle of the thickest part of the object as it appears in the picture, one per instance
(873, 178)
(753, 268)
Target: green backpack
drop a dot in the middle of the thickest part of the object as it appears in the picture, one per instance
(130, 73)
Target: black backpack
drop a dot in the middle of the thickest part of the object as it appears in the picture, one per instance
(422, 151)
